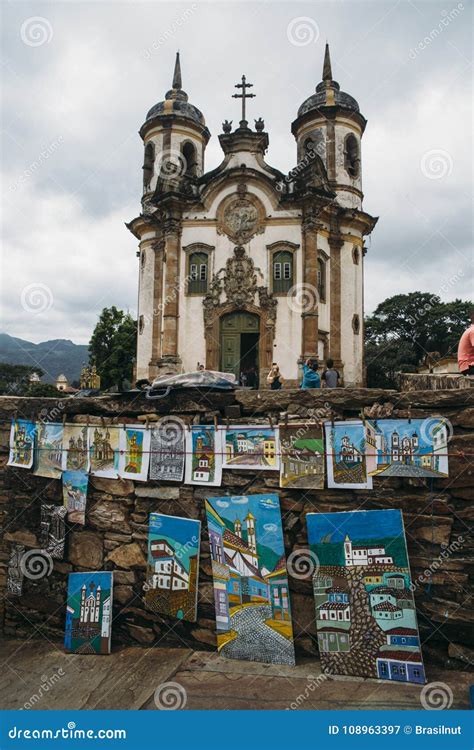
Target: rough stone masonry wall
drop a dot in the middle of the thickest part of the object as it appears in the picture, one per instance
(436, 514)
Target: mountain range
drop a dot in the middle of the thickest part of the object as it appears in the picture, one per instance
(55, 357)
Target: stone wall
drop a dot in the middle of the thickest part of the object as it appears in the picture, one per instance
(436, 513)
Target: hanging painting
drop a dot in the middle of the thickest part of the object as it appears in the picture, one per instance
(251, 593)
(53, 530)
(365, 612)
(302, 457)
(204, 449)
(346, 455)
(75, 448)
(134, 453)
(167, 451)
(407, 448)
(22, 440)
(252, 447)
(48, 451)
(89, 613)
(104, 450)
(173, 566)
(15, 572)
(75, 495)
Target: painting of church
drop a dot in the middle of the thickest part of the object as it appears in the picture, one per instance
(104, 450)
(302, 456)
(346, 454)
(88, 624)
(252, 447)
(22, 440)
(251, 592)
(204, 451)
(365, 612)
(173, 566)
(413, 448)
(167, 451)
(224, 251)
(48, 451)
(134, 453)
(75, 448)
(75, 485)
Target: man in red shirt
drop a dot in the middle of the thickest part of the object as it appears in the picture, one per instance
(466, 350)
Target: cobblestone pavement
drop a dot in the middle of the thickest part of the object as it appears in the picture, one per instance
(255, 640)
(402, 470)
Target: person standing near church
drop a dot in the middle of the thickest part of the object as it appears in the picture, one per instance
(311, 377)
(330, 377)
(466, 349)
(275, 378)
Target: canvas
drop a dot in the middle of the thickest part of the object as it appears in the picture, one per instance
(204, 449)
(104, 450)
(134, 453)
(75, 448)
(168, 451)
(173, 566)
(48, 452)
(407, 448)
(251, 592)
(53, 530)
(302, 457)
(346, 455)
(89, 613)
(252, 447)
(75, 495)
(22, 441)
(365, 612)
(15, 572)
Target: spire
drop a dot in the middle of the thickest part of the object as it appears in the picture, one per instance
(177, 83)
(327, 72)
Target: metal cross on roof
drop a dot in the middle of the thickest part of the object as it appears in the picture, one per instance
(244, 86)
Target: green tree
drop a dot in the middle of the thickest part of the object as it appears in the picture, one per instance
(404, 328)
(112, 347)
(15, 379)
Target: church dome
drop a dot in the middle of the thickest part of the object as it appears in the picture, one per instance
(176, 102)
(328, 93)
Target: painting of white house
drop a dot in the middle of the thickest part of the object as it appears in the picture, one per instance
(204, 451)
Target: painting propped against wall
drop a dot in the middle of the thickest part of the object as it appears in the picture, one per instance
(48, 451)
(251, 592)
(75, 495)
(22, 441)
(53, 529)
(89, 613)
(204, 450)
(104, 450)
(302, 457)
(15, 573)
(407, 448)
(168, 450)
(252, 447)
(365, 611)
(346, 455)
(173, 566)
(75, 447)
(134, 453)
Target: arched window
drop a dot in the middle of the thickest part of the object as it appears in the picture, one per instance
(282, 271)
(148, 165)
(190, 159)
(322, 279)
(355, 255)
(198, 273)
(351, 155)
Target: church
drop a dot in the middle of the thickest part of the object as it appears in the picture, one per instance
(243, 265)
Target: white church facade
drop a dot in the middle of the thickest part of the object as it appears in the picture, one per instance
(243, 265)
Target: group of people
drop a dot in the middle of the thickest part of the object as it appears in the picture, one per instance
(329, 377)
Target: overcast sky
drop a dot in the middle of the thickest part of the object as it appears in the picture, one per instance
(79, 77)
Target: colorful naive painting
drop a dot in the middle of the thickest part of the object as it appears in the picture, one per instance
(173, 566)
(167, 451)
(89, 613)
(407, 448)
(22, 441)
(251, 592)
(252, 447)
(134, 453)
(346, 455)
(75, 495)
(104, 450)
(48, 452)
(204, 449)
(53, 529)
(365, 612)
(302, 456)
(75, 448)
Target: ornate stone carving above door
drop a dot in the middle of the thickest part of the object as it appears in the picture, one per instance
(241, 216)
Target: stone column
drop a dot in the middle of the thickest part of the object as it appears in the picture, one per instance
(170, 359)
(310, 315)
(335, 243)
(158, 251)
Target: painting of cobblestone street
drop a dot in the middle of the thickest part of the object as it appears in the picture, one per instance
(365, 611)
(251, 593)
(407, 448)
(346, 455)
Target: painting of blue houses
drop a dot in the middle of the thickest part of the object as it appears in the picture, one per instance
(22, 441)
(252, 447)
(346, 455)
(407, 448)
(89, 613)
(251, 592)
(365, 612)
